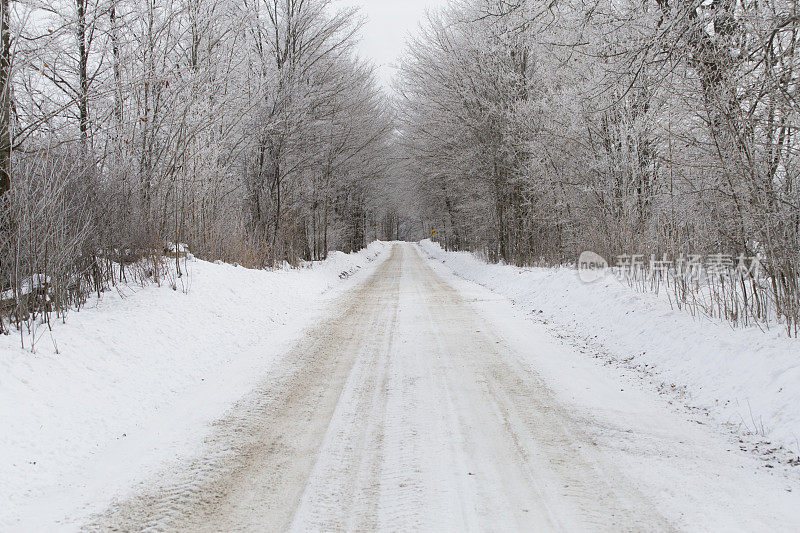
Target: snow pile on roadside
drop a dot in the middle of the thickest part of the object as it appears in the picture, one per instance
(744, 377)
(138, 376)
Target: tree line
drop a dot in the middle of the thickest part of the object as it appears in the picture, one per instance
(528, 131)
(248, 129)
(536, 130)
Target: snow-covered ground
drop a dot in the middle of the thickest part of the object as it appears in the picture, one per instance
(746, 378)
(403, 396)
(138, 376)
(425, 402)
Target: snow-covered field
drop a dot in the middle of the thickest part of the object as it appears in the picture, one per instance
(747, 378)
(138, 376)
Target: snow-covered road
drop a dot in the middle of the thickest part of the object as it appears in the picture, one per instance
(425, 402)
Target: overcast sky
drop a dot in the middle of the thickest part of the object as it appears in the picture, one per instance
(389, 22)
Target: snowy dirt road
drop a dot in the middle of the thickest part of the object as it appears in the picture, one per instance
(424, 402)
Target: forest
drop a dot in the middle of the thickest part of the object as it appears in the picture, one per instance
(664, 130)
(527, 131)
(247, 129)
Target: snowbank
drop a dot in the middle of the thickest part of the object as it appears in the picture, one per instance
(138, 376)
(745, 377)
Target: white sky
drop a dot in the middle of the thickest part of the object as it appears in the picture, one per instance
(388, 25)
